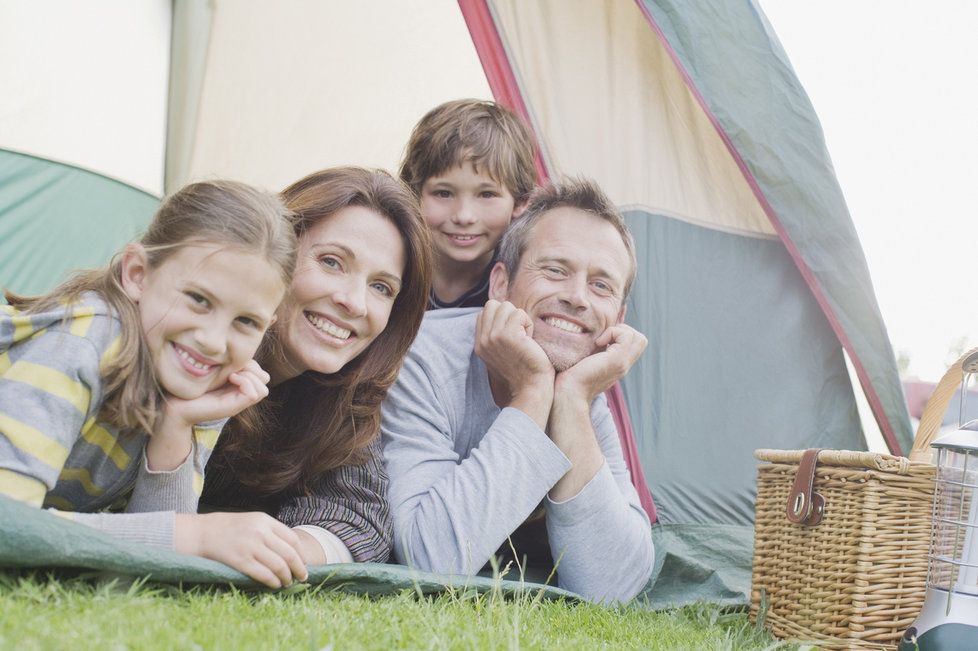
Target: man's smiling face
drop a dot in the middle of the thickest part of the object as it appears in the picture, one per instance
(570, 280)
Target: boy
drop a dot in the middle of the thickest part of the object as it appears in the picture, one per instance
(470, 162)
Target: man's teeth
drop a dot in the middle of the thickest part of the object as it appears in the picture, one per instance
(566, 326)
(191, 361)
(328, 327)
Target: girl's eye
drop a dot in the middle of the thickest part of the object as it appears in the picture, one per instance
(384, 289)
(247, 322)
(198, 299)
(442, 194)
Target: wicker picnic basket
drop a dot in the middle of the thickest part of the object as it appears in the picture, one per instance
(841, 538)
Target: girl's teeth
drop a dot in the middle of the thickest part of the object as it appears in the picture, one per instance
(328, 327)
(191, 361)
(566, 326)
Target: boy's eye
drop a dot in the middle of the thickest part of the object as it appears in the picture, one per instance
(488, 194)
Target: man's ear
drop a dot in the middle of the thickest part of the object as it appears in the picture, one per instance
(135, 266)
(498, 282)
(621, 314)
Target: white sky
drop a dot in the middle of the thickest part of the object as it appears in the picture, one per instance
(895, 85)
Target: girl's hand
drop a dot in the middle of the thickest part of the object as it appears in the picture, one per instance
(255, 544)
(243, 389)
(172, 442)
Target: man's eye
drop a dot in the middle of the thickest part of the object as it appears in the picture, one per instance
(198, 299)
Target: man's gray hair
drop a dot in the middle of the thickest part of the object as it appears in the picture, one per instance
(582, 194)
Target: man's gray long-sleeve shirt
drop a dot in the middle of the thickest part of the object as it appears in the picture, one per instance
(465, 474)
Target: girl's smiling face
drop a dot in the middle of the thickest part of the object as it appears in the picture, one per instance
(347, 275)
(204, 311)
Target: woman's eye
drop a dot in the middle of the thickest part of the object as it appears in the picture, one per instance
(247, 322)
(329, 261)
(384, 289)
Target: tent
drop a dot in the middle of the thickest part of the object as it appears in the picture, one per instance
(752, 288)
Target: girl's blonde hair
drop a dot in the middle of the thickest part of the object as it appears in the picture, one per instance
(225, 213)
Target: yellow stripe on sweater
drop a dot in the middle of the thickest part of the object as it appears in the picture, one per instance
(4, 363)
(51, 381)
(198, 483)
(83, 477)
(22, 326)
(82, 321)
(34, 442)
(109, 444)
(22, 488)
(111, 352)
(206, 437)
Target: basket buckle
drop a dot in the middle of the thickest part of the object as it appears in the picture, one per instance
(805, 506)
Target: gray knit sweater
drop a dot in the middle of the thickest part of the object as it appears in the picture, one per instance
(53, 450)
(465, 474)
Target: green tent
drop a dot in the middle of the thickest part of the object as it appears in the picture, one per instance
(753, 289)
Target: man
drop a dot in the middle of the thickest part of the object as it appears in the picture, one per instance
(499, 411)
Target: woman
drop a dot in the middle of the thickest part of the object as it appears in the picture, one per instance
(309, 454)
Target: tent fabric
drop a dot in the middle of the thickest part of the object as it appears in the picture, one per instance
(55, 218)
(742, 76)
(34, 538)
(752, 281)
(85, 84)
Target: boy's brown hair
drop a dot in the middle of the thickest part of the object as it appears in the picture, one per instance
(491, 137)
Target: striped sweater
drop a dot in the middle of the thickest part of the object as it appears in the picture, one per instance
(53, 450)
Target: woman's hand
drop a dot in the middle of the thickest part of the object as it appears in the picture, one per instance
(254, 543)
(172, 442)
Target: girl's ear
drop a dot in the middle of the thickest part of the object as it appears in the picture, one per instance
(135, 266)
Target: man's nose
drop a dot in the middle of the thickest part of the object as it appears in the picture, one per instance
(574, 292)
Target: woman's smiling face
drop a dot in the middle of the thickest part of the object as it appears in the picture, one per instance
(347, 276)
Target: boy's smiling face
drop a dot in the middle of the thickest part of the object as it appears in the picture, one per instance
(467, 211)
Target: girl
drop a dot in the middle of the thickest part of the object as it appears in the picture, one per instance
(310, 454)
(114, 386)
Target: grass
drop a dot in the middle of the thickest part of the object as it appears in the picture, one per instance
(41, 612)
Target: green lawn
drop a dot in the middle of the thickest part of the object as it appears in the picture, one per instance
(39, 612)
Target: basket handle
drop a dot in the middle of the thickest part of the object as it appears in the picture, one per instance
(933, 416)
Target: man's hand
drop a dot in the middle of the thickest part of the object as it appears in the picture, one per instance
(596, 373)
(520, 373)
